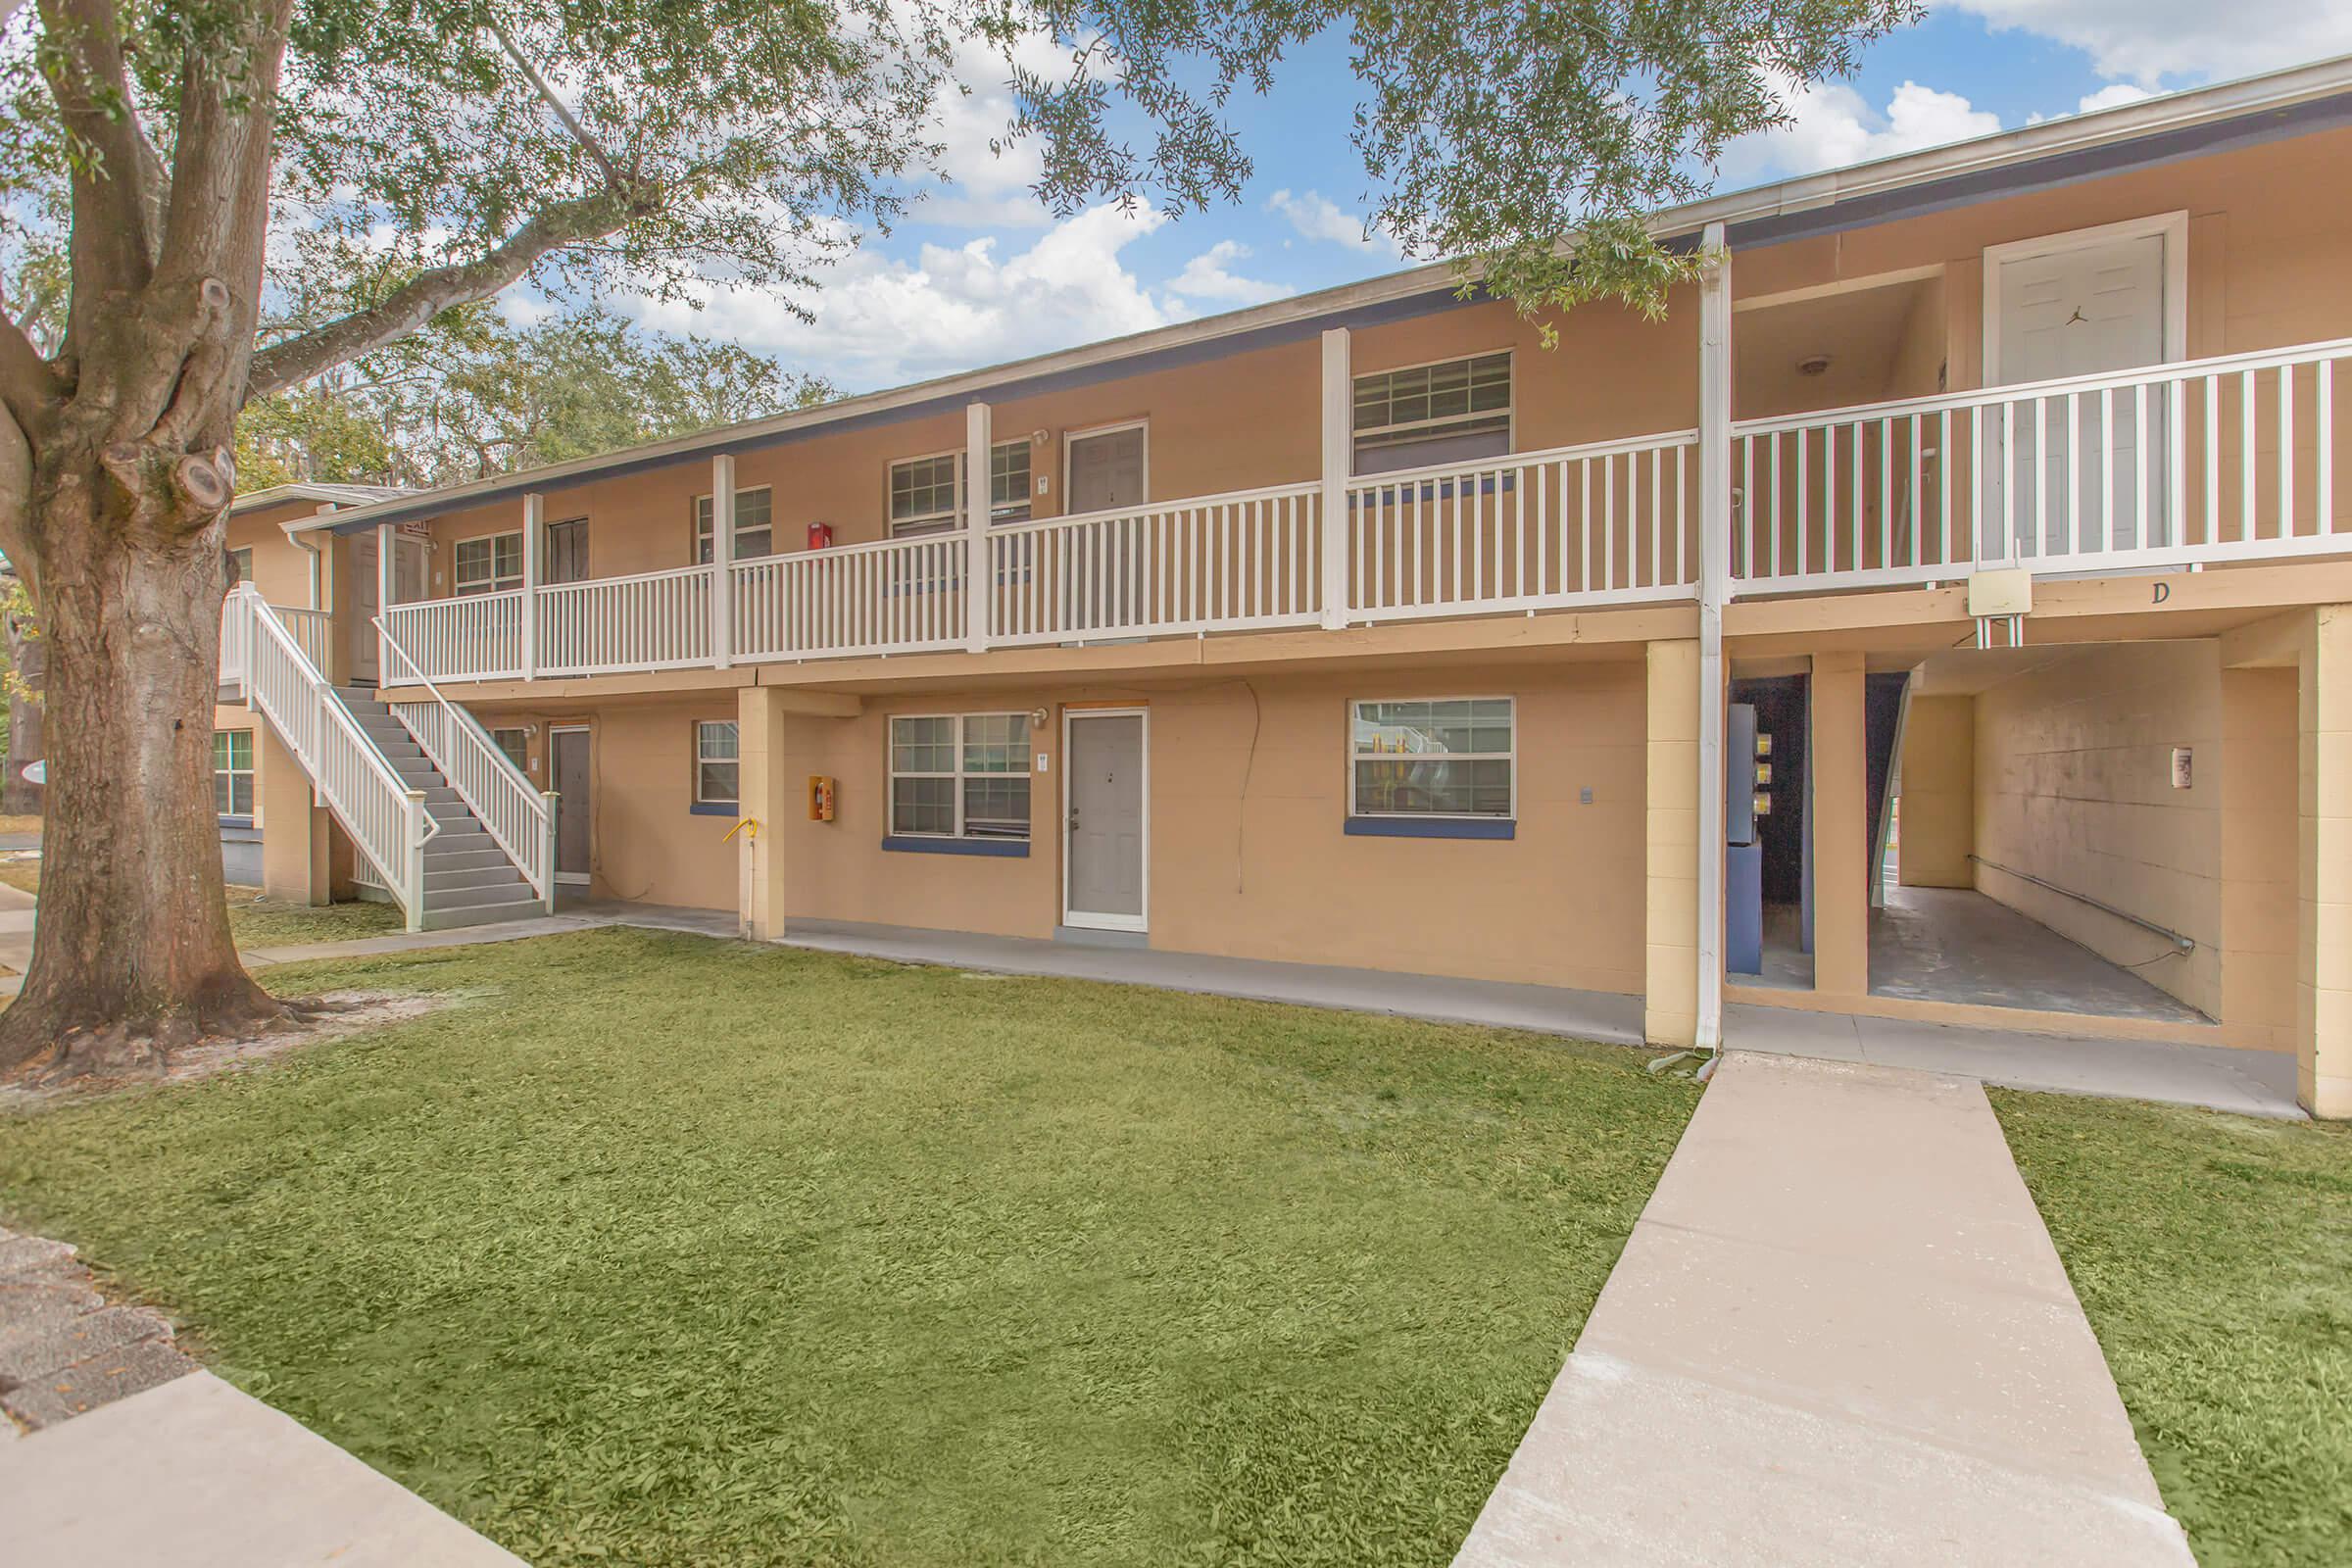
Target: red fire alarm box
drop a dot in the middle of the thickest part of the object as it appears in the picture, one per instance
(821, 797)
(820, 536)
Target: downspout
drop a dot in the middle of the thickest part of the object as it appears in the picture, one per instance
(1714, 588)
(302, 537)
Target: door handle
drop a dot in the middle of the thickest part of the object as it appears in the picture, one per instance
(1073, 816)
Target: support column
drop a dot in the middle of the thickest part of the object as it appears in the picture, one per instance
(297, 862)
(979, 604)
(1840, 816)
(384, 673)
(1338, 460)
(722, 559)
(1714, 589)
(534, 550)
(1671, 977)
(2324, 870)
(770, 795)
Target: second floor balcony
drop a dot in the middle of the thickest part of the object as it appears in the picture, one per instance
(2184, 465)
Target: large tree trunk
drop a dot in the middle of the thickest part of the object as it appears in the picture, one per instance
(131, 953)
(27, 654)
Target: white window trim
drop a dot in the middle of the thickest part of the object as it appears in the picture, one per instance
(456, 583)
(522, 731)
(1071, 438)
(694, 519)
(938, 523)
(2172, 227)
(1510, 411)
(699, 798)
(929, 522)
(252, 773)
(891, 774)
(1510, 757)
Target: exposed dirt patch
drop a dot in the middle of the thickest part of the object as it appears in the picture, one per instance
(314, 1021)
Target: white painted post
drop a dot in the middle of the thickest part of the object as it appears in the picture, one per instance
(534, 546)
(384, 537)
(551, 801)
(1714, 587)
(977, 610)
(414, 855)
(722, 560)
(1339, 447)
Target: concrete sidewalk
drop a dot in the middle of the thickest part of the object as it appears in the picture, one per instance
(1839, 1334)
(194, 1474)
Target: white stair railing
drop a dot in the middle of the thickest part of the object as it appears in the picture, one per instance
(384, 817)
(519, 817)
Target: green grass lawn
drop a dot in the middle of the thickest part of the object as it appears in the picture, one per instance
(654, 1249)
(257, 922)
(2214, 1256)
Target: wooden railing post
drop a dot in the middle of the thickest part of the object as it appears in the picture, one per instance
(978, 611)
(546, 869)
(1339, 446)
(534, 537)
(723, 565)
(413, 855)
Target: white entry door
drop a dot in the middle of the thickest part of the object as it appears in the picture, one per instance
(1107, 827)
(2081, 309)
(571, 767)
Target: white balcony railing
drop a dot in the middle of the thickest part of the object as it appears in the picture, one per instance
(2201, 461)
(311, 629)
(2206, 461)
(897, 596)
(1607, 523)
(472, 637)
(605, 624)
(1249, 560)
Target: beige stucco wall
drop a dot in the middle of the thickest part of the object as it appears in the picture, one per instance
(1249, 856)
(2074, 784)
(2258, 858)
(1939, 793)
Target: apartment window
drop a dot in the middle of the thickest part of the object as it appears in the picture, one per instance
(926, 494)
(492, 563)
(243, 558)
(755, 526)
(232, 772)
(961, 776)
(567, 551)
(515, 743)
(1456, 410)
(717, 763)
(1450, 756)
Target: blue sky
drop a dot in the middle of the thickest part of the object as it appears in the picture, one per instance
(983, 273)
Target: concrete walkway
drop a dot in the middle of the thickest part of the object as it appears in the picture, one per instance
(1839, 1336)
(195, 1474)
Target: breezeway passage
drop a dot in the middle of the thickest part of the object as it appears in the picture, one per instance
(1839, 1335)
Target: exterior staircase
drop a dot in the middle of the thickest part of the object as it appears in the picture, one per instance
(457, 833)
(468, 880)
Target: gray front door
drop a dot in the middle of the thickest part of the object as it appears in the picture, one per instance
(1106, 842)
(569, 749)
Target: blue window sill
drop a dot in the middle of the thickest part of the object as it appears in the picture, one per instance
(1432, 827)
(1003, 849)
(236, 822)
(1398, 492)
(712, 809)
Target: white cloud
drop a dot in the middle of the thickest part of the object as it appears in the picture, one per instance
(2114, 95)
(981, 187)
(882, 321)
(1833, 126)
(2145, 40)
(1210, 277)
(1318, 217)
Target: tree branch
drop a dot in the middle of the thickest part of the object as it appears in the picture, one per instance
(30, 386)
(531, 74)
(429, 294)
(117, 204)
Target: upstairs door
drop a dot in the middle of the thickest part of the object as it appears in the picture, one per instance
(2084, 308)
(1107, 833)
(1107, 472)
(363, 595)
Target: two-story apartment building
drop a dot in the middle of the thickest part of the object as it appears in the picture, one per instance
(1937, 613)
